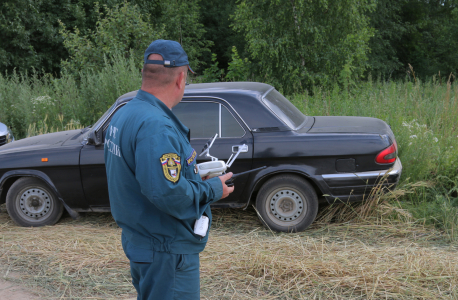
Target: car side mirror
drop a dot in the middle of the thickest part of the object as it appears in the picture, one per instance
(99, 137)
(95, 138)
(90, 138)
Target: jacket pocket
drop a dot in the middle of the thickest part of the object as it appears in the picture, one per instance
(181, 261)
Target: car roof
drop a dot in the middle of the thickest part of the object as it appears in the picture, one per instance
(255, 89)
(225, 87)
(244, 97)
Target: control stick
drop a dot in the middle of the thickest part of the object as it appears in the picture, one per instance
(230, 182)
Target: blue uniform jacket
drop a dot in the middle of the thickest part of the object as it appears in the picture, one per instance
(155, 194)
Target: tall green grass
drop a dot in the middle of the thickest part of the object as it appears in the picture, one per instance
(27, 99)
(424, 119)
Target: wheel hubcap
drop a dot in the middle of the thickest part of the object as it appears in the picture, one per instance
(35, 203)
(286, 205)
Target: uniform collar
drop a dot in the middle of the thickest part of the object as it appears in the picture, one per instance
(151, 99)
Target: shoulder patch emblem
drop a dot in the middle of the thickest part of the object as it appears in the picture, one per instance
(191, 157)
(171, 166)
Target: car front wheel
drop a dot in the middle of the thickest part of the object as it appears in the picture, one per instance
(287, 203)
(30, 202)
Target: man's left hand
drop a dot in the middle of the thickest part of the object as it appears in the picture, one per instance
(226, 190)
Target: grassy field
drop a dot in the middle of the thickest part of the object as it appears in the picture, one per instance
(403, 247)
(355, 258)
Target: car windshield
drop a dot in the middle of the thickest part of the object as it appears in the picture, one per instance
(284, 109)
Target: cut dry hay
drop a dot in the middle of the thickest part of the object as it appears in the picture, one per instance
(72, 259)
(360, 258)
(351, 261)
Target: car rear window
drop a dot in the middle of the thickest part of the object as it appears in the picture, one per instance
(284, 109)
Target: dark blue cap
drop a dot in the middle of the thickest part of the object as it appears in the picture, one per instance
(171, 51)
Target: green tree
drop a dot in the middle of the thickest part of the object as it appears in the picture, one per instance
(421, 33)
(431, 47)
(181, 19)
(212, 73)
(389, 29)
(239, 69)
(29, 31)
(216, 18)
(298, 43)
(120, 31)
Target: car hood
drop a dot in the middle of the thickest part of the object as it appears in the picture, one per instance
(45, 141)
(351, 125)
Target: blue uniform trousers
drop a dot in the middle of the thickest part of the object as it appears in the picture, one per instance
(168, 277)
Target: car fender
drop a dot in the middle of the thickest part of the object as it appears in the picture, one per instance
(303, 171)
(43, 177)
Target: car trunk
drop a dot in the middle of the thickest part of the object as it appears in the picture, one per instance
(355, 125)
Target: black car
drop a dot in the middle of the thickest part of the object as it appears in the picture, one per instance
(308, 158)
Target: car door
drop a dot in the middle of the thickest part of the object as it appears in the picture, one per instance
(205, 118)
(93, 172)
(94, 177)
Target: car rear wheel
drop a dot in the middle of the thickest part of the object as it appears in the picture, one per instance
(287, 203)
(30, 202)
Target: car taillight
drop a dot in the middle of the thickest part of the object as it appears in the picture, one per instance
(388, 155)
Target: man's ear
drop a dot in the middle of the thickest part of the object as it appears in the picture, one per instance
(180, 80)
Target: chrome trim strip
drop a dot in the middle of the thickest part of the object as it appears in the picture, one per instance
(396, 169)
(210, 97)
(268, 91)
(219, 129)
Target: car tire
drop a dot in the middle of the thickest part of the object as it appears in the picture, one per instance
(31, 203)
(287, 203)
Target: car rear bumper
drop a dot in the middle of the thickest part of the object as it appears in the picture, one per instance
(351, 187)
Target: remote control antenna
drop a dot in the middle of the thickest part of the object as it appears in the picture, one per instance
(207, 147)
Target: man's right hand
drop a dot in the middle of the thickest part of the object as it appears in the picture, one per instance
(226, 190)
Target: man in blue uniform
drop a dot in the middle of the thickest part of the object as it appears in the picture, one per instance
(156, 195)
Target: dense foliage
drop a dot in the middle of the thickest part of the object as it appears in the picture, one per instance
(120, 31)
(417, 32)
(293, 44)
(29, 31)
(297, 44)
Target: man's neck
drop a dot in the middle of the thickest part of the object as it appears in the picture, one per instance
(161, 95)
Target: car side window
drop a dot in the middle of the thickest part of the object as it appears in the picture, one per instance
(229, 125)
(204, 119)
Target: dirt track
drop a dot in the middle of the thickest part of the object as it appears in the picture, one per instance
(11, 290)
